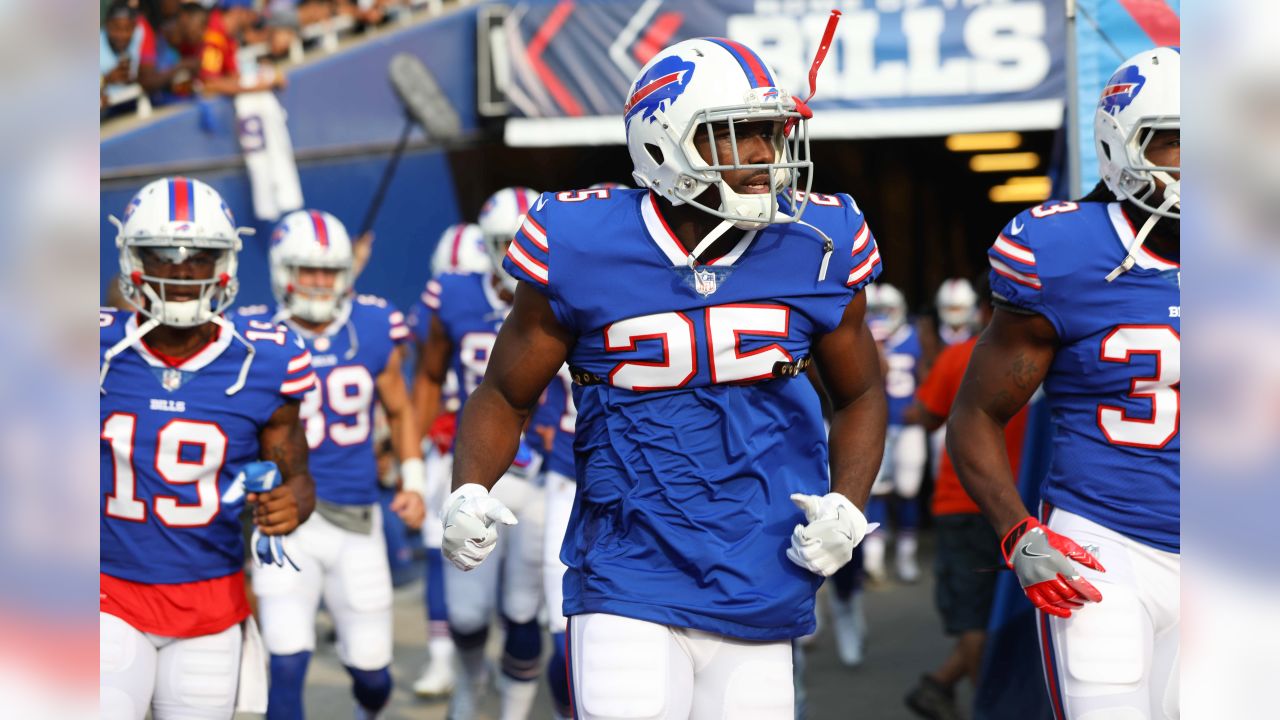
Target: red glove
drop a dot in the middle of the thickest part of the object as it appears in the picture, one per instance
(442, 431)
(1043, 561)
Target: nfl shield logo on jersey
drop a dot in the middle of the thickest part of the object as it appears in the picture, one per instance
(704, 282)
(171, 379)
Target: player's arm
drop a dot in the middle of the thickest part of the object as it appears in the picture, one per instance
(849, 365)
(405, 438)
(531, 347)
(429, 376)
(1009, 362)
(918, 414)
(283, 442)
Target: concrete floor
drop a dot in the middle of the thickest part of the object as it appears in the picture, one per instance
(905, 639)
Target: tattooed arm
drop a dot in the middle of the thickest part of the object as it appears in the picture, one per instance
(283, 442)
(1010, 361)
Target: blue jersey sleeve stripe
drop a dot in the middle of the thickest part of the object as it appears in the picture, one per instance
(299, 363)
(535, 232)
(530, 267)
(860, 240)
(530, 248)
(299, 386)
(864, 269)
(1015, 252)
(1028, 279)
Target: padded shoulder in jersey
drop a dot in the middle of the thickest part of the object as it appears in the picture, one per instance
(855, 259)
(111, 324)
(387, 315)
(1035, 252)
(278, 352)
(562, 217)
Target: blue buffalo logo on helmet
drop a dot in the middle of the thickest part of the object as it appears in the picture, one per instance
(659, 87)
(1121, 89)
(770, 94)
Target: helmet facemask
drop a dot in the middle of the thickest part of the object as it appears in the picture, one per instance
(1136, 176)
(497, 245)
(179, 281)
(791, 165)
(313, 303)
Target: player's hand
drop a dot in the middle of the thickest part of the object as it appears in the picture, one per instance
(1045, 564)
(408, 505)
(275, 506)
(835, 527)
(470, 518)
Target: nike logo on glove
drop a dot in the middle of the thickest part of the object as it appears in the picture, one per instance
(1026, 551)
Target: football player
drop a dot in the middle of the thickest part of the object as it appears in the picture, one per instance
(709, 508)
(905, 453)
(189, 397)
(1088, 303)
(460, 250)
(467, 312)
(356, 344)
(957, 307)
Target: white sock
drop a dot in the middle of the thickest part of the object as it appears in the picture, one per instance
(441, 649)
(906, 544)
(517, 698)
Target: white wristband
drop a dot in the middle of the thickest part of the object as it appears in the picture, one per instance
(413, 475)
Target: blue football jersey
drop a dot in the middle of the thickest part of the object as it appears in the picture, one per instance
(348, 356)
(556, 410)
(693, 429)
(1113, 387)
(173, 438)
(902, 354)
(471, 312)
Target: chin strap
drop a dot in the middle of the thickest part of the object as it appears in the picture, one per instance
(706, 242)
(127, 341)
(248, 358)
(1130, 259)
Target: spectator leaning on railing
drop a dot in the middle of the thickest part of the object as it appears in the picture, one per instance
(120, 48)
(219, 74)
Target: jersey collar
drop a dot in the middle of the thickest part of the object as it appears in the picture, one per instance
(196, 362)
(1125, 231)
(666, 241)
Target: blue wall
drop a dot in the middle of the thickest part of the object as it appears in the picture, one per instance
(338, 102)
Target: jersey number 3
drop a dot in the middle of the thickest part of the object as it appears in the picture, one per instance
(1162, 342)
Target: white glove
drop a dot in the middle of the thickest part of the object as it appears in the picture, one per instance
(469, 519)
(835, 528)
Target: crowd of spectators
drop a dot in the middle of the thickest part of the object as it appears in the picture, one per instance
(173, 50)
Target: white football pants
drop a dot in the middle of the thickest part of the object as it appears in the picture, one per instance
(905, 454)
(515, 565)
(350, 571)
(439, 474)
(176, 678)
(1116, 659)
(627, 669)
(560, 490)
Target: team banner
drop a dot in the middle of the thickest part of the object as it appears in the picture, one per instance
(897, 67)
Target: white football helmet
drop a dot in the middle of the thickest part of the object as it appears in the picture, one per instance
(500, 218)
(311, 239)
(886, 310)
(178, 243)
(460, 249)
(1143, 96)
(957, 303)
(707, 82)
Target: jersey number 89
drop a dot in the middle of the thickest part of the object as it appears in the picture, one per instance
(349, 392)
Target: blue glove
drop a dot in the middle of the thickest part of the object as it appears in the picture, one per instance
(263, 477)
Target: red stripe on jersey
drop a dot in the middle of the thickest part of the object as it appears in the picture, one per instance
(457, 243)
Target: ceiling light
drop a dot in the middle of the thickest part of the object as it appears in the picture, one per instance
(1022, 189)
(1004, 162)
(973, 142)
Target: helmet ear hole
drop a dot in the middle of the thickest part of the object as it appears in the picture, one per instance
(1106, 150)
(655, 152)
